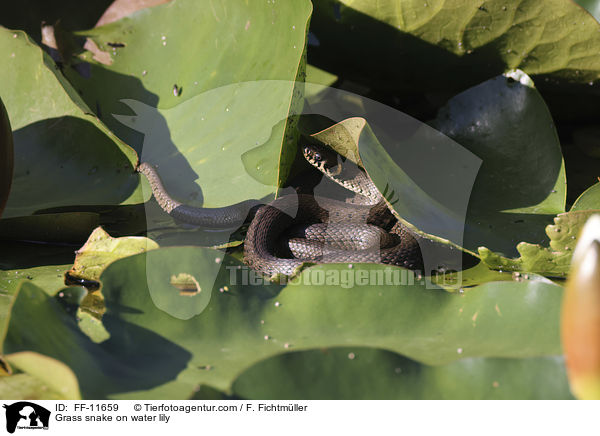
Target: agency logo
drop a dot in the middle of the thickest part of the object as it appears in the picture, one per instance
(26, 415)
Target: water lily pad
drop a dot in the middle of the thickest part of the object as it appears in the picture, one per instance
(437, 47)
(6, 156)
(202, 96)
(101, 249)
(91, 259)
(78, 161)
(41, 264)
(244, 324)
(554, 260)
(38, 377)
(522, 182)
(362, 373)
(589, 200)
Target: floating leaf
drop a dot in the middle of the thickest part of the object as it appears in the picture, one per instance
(41, 264)
(362, 373)
(589, 200)
(554, 260)
(245, 324)
(6, 156)
(101, 249)
(96, 254)
(522, 182)
(38, 377)
(78, 161)
(203, 96)
(435, 47)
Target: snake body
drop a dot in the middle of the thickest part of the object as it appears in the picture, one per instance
(296, 229)
(229, 217)
(264, 251)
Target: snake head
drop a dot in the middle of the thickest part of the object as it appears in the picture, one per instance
(321, 157)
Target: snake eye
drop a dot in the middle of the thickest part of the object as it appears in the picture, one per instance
(317, 156)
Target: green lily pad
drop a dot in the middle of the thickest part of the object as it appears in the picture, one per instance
(41, 264)
(91, 259)
(96, 368)
(554, 260)
(362, 373)
(435, 47)
(38, 377)
(245, 324)
(6, 156)
(206, 160)
(522, 184)
(319, 76)
(202, 105)
(78, 161)
(479, 274)
(101, 249)
(590, 199)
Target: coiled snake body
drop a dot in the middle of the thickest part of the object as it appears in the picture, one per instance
(296, 229)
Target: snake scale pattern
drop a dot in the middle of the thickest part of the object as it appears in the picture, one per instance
(297, 229)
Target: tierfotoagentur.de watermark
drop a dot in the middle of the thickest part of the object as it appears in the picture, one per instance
(344, 276)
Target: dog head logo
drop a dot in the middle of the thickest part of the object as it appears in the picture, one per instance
(26, 415)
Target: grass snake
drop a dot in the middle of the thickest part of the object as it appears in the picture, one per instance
(297, 229)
